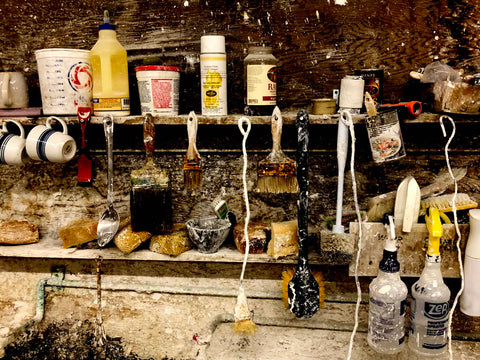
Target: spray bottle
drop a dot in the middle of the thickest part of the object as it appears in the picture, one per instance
(430, 297)
(110, 73)
(388, 301)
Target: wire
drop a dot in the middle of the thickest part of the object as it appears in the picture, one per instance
(457, 229)
(346, 117)
(245, 133)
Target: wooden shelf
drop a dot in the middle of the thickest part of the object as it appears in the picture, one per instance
(51, 248)
(289, 118)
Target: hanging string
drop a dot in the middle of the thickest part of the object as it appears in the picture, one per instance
(346, 117)
(245, 133)
(457, 229)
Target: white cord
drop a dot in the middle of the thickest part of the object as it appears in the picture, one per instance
(459, 235)
(245, 133)
(346, 117)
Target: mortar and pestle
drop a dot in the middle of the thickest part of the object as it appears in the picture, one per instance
(208, 233)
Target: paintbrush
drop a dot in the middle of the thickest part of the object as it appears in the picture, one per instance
(150, 197)
(276, 173)
(192, 169)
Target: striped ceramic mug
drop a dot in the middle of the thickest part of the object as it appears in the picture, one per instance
(44, 143)
(12, 147)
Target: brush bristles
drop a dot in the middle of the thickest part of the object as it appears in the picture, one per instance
(247, 327)
(192, 179)
(277, 184)
(287, 275)
(444, 203)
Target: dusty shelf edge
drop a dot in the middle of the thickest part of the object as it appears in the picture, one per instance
(288, 118)
(52, 249)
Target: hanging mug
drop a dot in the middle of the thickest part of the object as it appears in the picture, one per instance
(44, 143)
(13, 90)
(12, 147)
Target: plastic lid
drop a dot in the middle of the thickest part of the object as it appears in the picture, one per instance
(389, 262)
(106, 22)
(157, 68)
(106, 26)
(212, 44)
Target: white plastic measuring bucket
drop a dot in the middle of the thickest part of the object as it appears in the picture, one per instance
(65, 80)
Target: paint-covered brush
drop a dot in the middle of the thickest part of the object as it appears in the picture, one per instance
(191, 164)
(150, 197)
(277, 173)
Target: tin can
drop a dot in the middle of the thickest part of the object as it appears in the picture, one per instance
(385, 136)
(158, 87)
(373, 82)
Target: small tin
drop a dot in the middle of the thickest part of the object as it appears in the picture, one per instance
(325, 106)
(373, 82)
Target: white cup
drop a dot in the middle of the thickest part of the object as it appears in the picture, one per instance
(12, 147)
(14, 90)
(44, 143)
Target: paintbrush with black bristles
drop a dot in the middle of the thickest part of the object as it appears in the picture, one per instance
(277, 173)
(191, 163)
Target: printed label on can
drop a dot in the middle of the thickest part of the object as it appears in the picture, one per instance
(385, 137)
(261, 85)
(114, 104)
(213, 73)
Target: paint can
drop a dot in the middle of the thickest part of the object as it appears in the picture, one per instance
(159, 88)
(385, 136)
(65, 80)
(373, 82)
(324, 106)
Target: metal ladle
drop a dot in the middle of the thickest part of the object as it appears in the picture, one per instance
(109, 221)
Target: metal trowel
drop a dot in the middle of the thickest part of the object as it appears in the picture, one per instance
(407, 204)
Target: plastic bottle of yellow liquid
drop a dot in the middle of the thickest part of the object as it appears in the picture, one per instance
(110, 73)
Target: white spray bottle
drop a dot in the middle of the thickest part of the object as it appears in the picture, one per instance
(388, 301)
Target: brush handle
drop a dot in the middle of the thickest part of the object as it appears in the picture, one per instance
(149, 136)
(108, 128)
(342, 149)
(277, 125)
(302, 178)
(192, 127)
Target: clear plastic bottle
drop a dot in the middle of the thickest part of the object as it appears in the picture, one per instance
(388, 303)
(260, 77)
(430, 299)
(110, 73)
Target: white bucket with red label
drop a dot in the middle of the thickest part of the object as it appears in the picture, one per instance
(65, 80)
(158, 87)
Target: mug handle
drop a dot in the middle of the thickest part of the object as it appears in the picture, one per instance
(49, 125)
(22, 132)
(5, 89)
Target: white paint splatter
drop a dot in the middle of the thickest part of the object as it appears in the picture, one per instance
(186, 3)
(403, 44)
(245, 16)
(318, 14)
(436, 37)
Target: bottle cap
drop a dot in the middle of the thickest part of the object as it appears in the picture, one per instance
(212, 44)
(389, 262)
(106, 22)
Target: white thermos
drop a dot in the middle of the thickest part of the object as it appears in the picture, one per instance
(470, 299)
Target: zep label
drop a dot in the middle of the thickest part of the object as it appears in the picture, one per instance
(436, 311)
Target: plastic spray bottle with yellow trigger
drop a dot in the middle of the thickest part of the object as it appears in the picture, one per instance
(430, 297)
